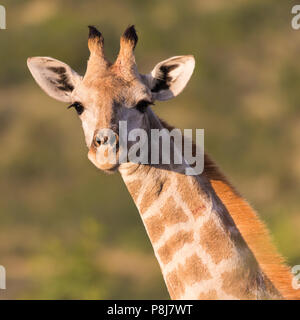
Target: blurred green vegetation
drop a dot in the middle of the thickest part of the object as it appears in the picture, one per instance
(69, 231)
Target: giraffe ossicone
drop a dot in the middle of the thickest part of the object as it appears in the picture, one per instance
(208, 241)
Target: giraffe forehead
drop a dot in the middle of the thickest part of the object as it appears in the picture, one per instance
(107, 84)
(111, 87)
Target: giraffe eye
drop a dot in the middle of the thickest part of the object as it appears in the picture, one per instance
(142, 105)
(78, 107)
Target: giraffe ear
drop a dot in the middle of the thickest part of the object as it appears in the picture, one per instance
(56, 78)
(169, 77)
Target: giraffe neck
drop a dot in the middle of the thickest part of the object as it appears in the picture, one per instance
(201, 252)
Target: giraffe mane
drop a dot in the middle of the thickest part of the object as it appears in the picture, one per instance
(252, 229)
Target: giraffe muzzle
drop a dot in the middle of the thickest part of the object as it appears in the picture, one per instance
(106, 138)
(104, 151)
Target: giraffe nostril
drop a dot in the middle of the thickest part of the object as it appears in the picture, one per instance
(105, 139)
(97, 141)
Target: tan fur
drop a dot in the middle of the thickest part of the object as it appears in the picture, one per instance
(126, 57)
(97, 62)
(218, 239)
(134, 188)
(157, 223)
(176, 242)
(243, 291)
(193, 271)
(210, 295)
(218, 242)
(200, 226)
(174, 284)
(153, 191)
(190, 194)
(95, 46)
(253, 231)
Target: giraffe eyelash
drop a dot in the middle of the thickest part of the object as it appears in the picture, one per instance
(78, 107)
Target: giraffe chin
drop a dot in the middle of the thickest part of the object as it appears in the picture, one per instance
(107, 167)
(111, 169)
(104, 166)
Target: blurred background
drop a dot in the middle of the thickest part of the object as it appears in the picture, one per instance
(69, 231)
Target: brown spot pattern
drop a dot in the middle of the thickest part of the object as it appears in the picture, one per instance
(134, 188)
(175, 285)
(190, 193)
(193, 270)
(209, 295)
(239, 283)
(152, 193)
(169, 215)
(176, 242)
(215, 241)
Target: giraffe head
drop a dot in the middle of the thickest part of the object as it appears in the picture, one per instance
(111, 92)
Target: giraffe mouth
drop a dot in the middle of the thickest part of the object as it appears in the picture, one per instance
(107, 166)
(111, 170)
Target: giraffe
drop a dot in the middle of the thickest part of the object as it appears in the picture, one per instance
(208, 241)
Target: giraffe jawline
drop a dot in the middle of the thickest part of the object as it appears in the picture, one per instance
(111, 170)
